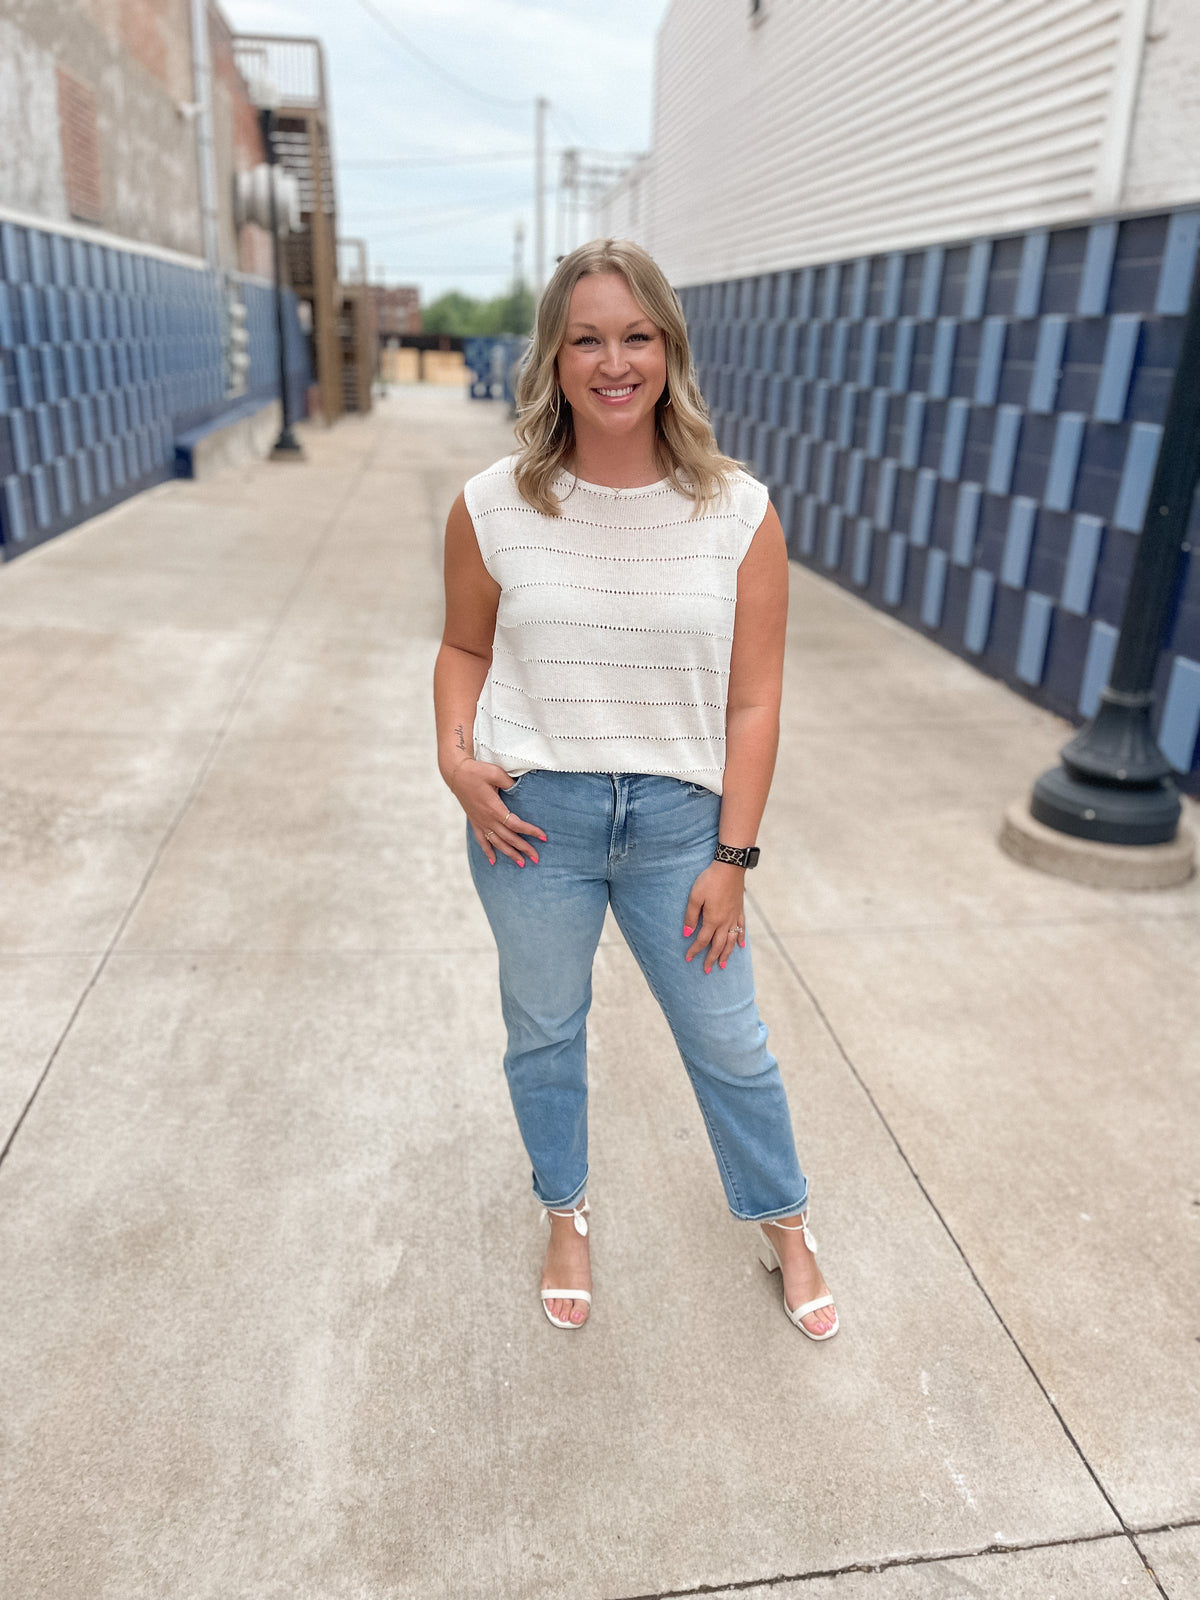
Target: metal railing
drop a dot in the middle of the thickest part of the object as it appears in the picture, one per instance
(295, 65)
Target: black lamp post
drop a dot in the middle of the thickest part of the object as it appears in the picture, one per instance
(1114, 785)
(287, 447)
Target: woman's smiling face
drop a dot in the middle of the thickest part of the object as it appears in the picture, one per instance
(612, 364)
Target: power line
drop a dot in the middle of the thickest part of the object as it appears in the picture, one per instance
(503, 270)
(438, 161)
(403, 215)
(462, 219)
(495, 155)
(402, 39)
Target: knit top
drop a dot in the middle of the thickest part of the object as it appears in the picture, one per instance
(614, 626)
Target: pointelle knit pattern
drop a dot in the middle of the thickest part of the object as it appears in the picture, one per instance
(614, 627)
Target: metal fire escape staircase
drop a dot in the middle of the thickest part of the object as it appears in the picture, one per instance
(341, 352)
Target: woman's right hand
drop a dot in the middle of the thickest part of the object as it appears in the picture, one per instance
(479, 787)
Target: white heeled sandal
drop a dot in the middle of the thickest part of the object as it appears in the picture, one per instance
(580, 1215)
(769, 1257)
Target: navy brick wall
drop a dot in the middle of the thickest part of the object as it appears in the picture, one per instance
(965, 435)
(106, 354)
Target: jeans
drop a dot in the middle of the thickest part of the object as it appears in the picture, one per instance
(637, 843)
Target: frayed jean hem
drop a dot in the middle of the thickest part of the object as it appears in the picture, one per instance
(771, 1216)
(572, 1201)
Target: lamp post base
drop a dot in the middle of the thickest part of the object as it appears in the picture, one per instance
(287, 447)
(1102, 866)
(1123, 814)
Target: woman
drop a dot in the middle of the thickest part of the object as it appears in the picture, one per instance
(607, 698)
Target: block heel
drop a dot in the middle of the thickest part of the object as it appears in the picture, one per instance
(769, 1257)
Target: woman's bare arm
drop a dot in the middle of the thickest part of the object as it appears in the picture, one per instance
(716, 904)
(755, 683)
(472, 595)
(472, 598)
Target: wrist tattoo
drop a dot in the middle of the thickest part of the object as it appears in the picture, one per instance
(460, 738)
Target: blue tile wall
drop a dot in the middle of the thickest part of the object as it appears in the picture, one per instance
(967, 435)
(106, 355)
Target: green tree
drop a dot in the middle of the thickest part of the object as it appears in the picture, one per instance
(518, 310)
(451, 313)
(458, 314)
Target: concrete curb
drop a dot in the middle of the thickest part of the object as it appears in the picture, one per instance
(246, 436)
(1103, 866)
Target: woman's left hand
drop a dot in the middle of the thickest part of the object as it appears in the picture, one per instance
(715, 913)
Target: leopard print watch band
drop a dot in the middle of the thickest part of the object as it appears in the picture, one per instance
(736, 856)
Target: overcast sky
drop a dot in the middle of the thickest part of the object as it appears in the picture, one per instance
(451, 226)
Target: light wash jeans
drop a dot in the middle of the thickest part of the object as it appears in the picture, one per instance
(637, 843)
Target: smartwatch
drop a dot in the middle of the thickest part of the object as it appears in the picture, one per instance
(747, 857)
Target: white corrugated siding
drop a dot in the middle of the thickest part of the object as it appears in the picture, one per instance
(1162, 168)
(835, 128)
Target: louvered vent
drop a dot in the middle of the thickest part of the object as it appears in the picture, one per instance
(80, 136)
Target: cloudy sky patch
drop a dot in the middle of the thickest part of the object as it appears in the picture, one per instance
(437, 221)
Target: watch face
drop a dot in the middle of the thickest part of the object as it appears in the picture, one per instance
(752, 856)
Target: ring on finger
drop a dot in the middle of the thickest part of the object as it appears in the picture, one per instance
(489, 835)
(508, 814)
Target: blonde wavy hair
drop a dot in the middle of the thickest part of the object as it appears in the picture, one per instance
(545, 427)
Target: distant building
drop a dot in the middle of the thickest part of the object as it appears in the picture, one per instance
(934, 260)
(397, 309)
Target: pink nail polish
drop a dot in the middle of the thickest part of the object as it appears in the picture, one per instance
(687, 933)
(687, 958)
(722, 966)
(520, 863)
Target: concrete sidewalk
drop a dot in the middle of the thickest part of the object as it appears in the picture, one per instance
(271, 1328)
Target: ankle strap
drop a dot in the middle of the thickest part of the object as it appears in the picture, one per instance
(579, 1213)
(801, 1227)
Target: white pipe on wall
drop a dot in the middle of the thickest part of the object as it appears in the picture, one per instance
(206, 156)
(1122, 105)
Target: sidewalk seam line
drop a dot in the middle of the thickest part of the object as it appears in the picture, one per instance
(185, 805)
(827, 1024)
(857, 930)
(887, 1563)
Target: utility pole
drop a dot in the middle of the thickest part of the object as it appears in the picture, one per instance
(569, 188)
(518, 286)
(518, 256)
(560, 207)
(540, 107)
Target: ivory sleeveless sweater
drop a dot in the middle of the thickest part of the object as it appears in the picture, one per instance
(614, 626)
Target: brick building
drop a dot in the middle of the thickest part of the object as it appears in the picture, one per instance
(397, 310)
(101, 123)
(136, 310)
